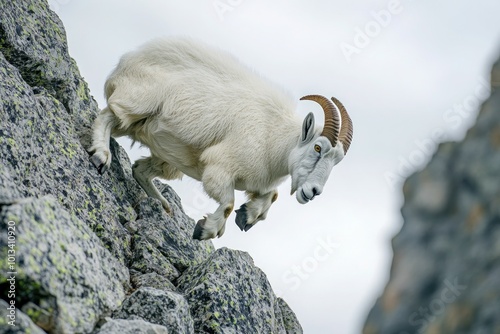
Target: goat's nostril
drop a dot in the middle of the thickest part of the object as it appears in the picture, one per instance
(315, 191)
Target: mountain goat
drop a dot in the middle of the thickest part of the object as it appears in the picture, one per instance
(203, 114)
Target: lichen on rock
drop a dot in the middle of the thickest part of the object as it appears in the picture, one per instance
(166, 308)
(228, 293)
(136, 326)
(63, 270)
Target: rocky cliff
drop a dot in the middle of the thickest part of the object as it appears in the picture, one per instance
(85, 253)
(445, 275)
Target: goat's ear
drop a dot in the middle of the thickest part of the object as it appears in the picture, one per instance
(308, 128)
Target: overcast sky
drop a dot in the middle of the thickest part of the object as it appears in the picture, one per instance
(411, 73)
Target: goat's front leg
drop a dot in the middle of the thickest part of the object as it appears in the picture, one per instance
(255, 209)
(219, 185)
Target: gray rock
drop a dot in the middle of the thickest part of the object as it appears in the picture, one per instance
(160, 307)
(292, 325)
(445, 275)
(228, 294)
(22, 323)
(151, 280)
(147, 259)
(10, 192)
(41, 153)
(120, 326)
(65, 275)
(33, 39)
(171, 234)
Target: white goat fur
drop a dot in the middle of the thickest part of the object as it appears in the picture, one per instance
(203, 114)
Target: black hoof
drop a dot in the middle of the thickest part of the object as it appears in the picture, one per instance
(241, 217)
(198, 229)
(102, 169)
(99, 164)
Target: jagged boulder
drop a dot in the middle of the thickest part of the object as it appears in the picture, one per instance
(65, 278)
(91, 249)
(40, 148)
(170, 235)
(228, 294)
(445, 275)
(292, 325)
(137, 326)
(161, 307)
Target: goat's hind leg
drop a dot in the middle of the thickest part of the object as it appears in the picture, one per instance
(255, 209)
(102, 128)
(145, 170)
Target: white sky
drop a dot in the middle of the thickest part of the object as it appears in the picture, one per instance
(408, 81)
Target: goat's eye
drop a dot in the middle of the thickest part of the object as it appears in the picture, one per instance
(317, 148)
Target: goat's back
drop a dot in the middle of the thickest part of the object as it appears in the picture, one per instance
(201, 93)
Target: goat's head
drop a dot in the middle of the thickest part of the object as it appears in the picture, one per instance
(312, 160)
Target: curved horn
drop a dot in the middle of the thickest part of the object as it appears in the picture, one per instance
(332, 120)
(346, 130)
